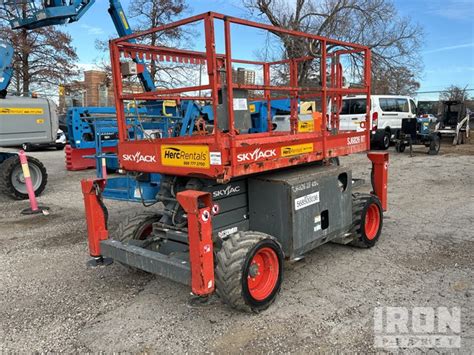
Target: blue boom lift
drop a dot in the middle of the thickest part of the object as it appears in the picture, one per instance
(6, 69)
(37, 14)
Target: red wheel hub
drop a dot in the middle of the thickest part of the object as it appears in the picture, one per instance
(372, 221)
(145, 232)
(263, 273)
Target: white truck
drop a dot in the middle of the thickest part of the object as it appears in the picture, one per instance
(386, 114)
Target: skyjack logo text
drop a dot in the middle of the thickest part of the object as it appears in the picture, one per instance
(226, 192)
(138, 157)
(257, 154)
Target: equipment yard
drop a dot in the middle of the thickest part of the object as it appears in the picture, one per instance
(50, 301)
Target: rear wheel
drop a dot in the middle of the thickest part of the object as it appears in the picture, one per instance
(385, 141)
(400, 147)
(367, 217)
(12, 181)
(249, 271)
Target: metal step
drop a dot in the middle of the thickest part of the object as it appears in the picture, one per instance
(153, 262)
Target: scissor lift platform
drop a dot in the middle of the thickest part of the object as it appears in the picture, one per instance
(237, 201)
(227, 151)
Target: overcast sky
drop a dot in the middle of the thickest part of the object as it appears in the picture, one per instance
(448, 50)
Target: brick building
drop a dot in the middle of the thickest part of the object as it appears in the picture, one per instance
(95, 90)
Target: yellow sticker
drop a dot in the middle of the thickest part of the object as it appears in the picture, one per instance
(252, 108)
(21, 111)
(305, 126)
(186, 156)
(307, 107)
(168, 103)
(124, 20)
(291, 150)
(39, 121)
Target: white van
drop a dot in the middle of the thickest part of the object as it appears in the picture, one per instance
(386, 114)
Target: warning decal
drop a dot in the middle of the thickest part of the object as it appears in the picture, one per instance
(21, 111)
(305, 126)
(290, 150)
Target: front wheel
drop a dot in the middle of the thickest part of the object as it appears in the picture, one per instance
(138, 226)
(249, 271)
(367, 220)
(435, 145)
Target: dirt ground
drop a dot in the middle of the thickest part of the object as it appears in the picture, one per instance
(50, 301)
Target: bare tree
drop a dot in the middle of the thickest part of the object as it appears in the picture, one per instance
(454, 93)
(43, 58)
(399, 80)
(153, 13)
(146, 14)
(375, 23)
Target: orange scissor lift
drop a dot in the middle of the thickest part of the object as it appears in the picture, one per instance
(237, 203)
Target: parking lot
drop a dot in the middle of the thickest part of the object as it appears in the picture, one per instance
(50, 301)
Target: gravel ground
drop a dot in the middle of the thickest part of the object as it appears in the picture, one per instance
(50, 301)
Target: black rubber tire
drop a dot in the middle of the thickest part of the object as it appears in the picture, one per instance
(133, 227)
(232, 268)
(6, 170)
(360, 205)
(435, 145)
(384, 142)
(400, 147)
(334, 161)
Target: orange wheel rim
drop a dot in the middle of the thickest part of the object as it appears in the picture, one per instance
(372, 221)
(263, 273)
